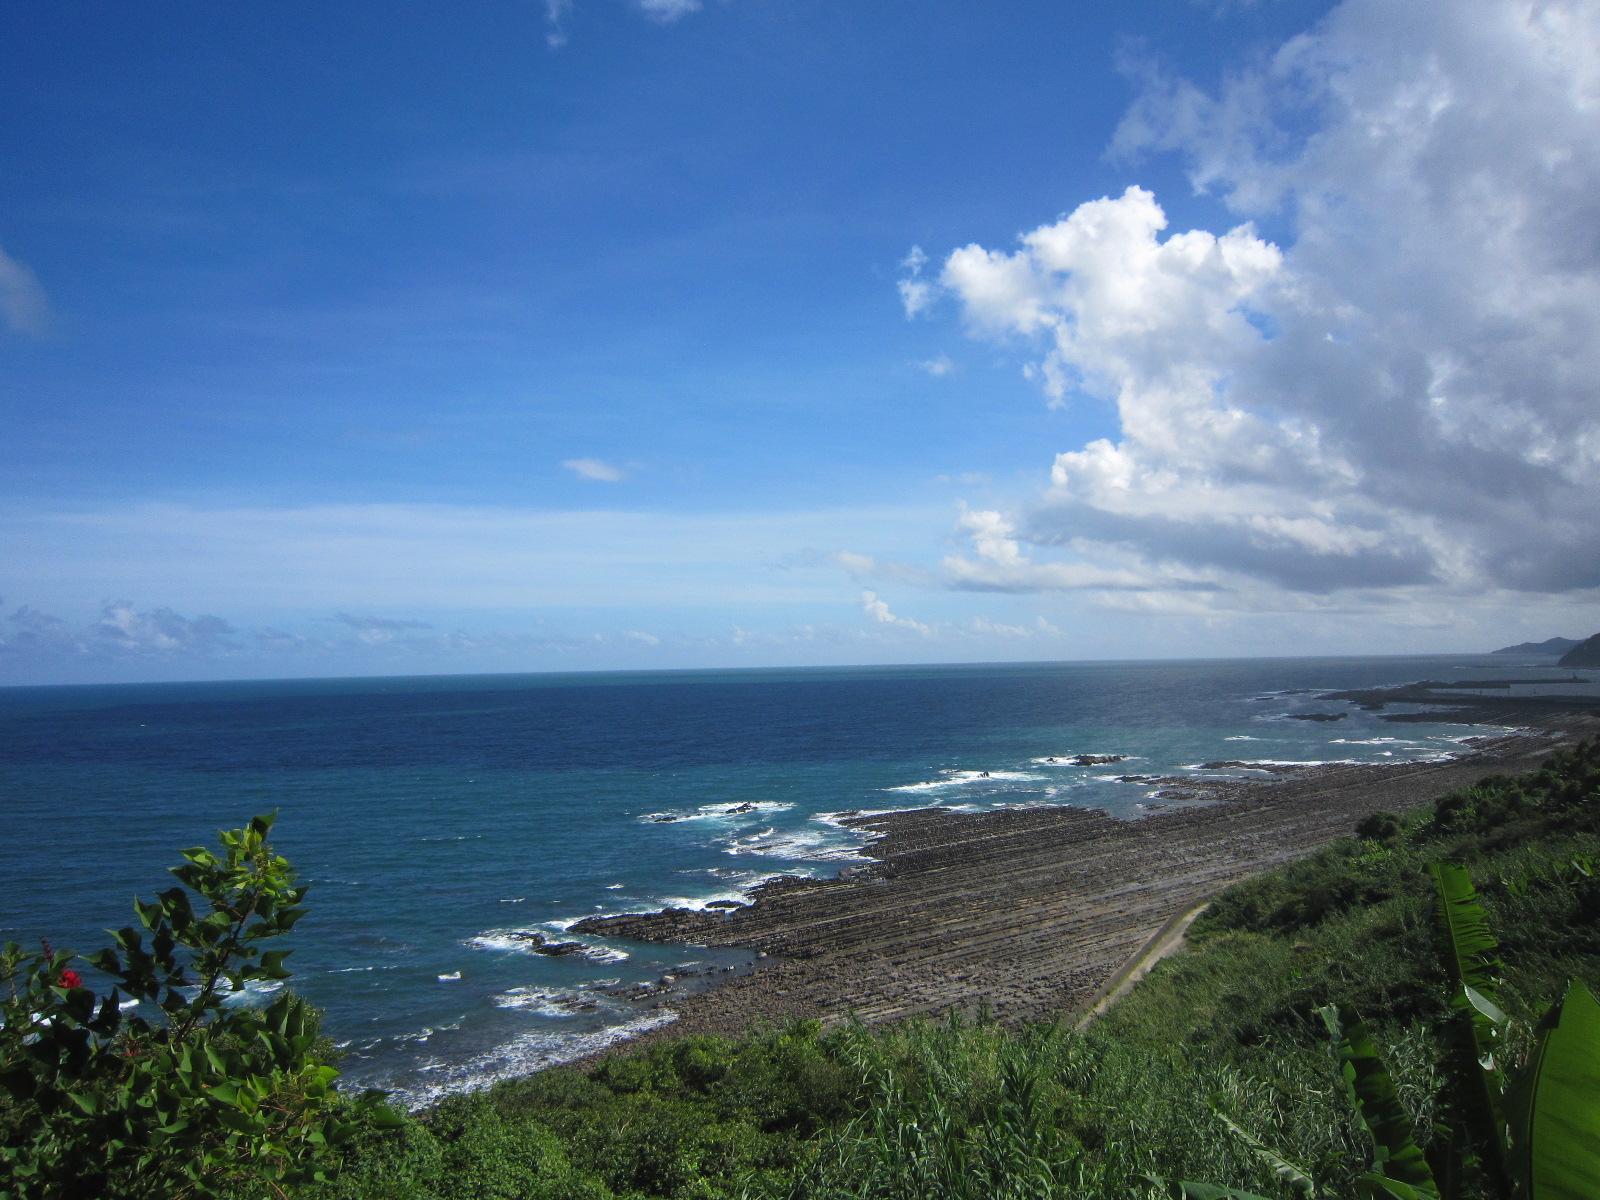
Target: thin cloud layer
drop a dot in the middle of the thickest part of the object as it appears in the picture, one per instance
(595, 470)
(1402, 396)
(23, 307)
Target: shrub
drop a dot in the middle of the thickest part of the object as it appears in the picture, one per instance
(184, 1097)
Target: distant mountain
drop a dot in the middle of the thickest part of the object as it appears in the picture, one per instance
(1550, 646)
(1586, 654)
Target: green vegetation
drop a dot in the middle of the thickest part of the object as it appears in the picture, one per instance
(184, 1097)
(1363, 1022)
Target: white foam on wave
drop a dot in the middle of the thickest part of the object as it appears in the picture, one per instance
(254, 992)
(954, 779)
(452, 977)
(815, 845)
(547, 1002)
(1066, 759)
(837, 820)
(515, 941)
(521, 1055)
(1265, 764)
(732, 809)
(1241, 737)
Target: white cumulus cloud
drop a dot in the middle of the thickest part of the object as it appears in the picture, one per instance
(1400, 396)
(878, 610)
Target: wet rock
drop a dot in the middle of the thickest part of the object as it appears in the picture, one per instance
(540, 944)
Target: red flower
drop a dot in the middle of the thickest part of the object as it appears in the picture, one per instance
(70, 979)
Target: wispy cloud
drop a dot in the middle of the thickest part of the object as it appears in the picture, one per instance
(916, 293)
(663, 12)
(23, 307)
(667, 11)
(938, 366)
(596, 470)
(378, 630)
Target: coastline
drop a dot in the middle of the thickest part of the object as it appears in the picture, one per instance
(1027, 913)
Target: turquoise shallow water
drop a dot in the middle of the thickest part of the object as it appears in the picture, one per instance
(435, 818)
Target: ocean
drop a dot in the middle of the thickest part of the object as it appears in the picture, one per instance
(437, 819)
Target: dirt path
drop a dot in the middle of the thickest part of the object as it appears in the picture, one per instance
(1167, 940)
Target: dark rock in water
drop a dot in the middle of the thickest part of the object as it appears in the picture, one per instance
(665, 818)
(723, 904)
(1585, 655)
(1234, 764)
(540, 944)
(1095, 760)
(1136, 778)
(1318, 716)
(742, 808)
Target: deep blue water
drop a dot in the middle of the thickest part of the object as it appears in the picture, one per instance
(434, 817)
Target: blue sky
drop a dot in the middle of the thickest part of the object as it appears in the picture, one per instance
(636, 333)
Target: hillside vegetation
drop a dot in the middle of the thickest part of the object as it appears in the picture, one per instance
(1217, 1068)
(1584, 654)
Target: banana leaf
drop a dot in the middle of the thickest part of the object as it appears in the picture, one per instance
(1397, 1159)
(1556, 1124)
(1469, 951)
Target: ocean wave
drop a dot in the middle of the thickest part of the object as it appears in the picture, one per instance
(521, 941)
(254, 993)
(815, 845)
(1077, 758)
(744, 882)
(719, 812)
(955, 778)
(522, 1055)
(1241, 737)
(546, 1002)
(1270, 764)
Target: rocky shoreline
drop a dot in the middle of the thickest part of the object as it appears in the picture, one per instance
(1027, 912)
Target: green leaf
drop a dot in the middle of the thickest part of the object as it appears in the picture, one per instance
(1469, 951)
(1396, 1155)
(84, 1101)
(1557, 1127)
(1285, 1170)
(1199, 1191)
(1373, 1186)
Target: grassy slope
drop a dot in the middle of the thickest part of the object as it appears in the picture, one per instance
(975, 1111)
